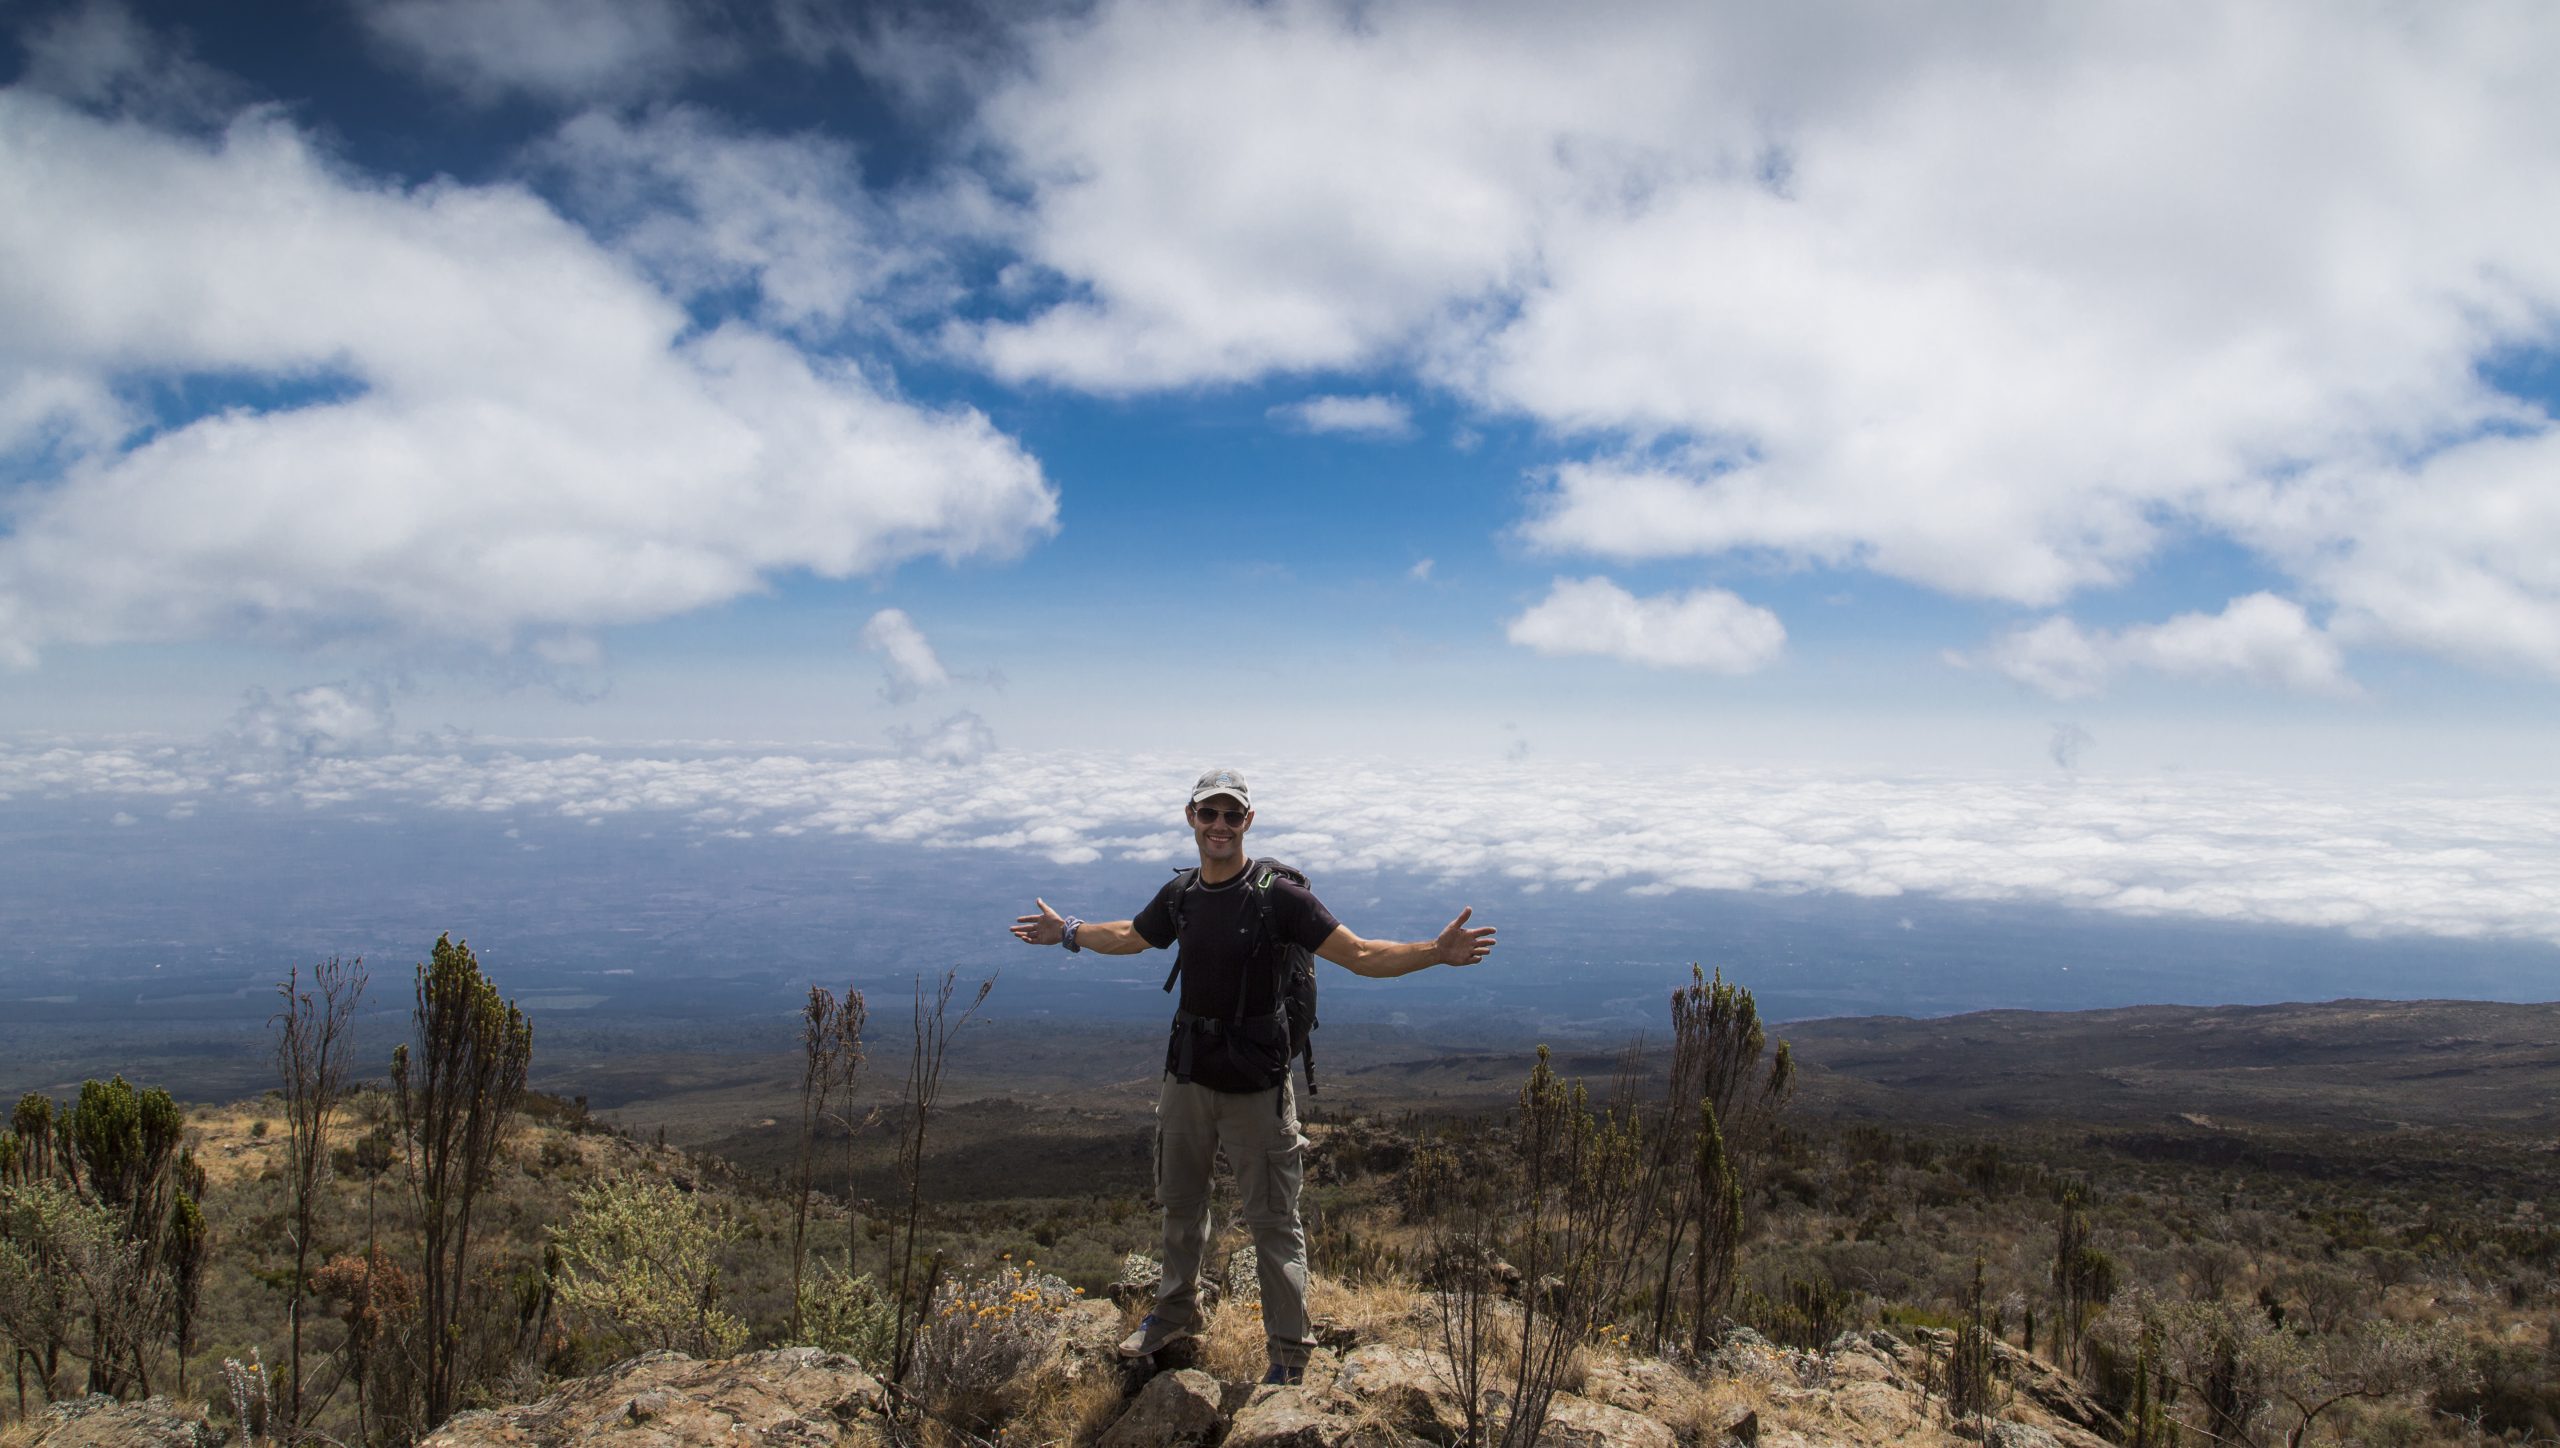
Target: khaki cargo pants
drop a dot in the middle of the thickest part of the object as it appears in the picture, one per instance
(1259, 1130)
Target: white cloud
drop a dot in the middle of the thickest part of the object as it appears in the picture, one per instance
(2259, 639)
(962, 740)
(2372, 860)
(1705, 628)
(1369, 416)
(1990, 301)
(320, 719)
(554, 50)
(2053, 656)
(486, 425)
(97, 54)
(906, 656)
(709, 207)
(1420, 572)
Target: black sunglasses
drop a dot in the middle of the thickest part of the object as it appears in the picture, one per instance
(1209, 815)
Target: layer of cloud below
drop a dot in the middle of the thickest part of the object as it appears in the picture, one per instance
(2214, 848)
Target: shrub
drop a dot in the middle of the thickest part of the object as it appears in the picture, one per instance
(850, 1314)
(638, 1256)
(986, 1343)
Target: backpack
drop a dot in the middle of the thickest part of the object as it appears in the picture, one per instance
(1292, 967)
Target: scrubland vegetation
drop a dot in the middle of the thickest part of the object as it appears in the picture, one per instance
(352, 1260)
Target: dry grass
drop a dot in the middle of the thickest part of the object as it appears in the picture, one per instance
(226, 1147)
(1067, 1410)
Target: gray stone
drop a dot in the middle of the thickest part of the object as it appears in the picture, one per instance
(2004, 1434)
(1409, 1388)
(1174, 1408)
(98, 1421)
(1577, 1422)
(796, 1397)
(1742, 1427)
(1279, 1417)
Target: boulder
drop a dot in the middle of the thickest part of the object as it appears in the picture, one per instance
(1409, 1389)
(98, 1421)
(1175, 1408)
(2004, 1434)
(1141, 1277)
(1639, 1385)
(1578, 1422)
(1279, 1417)
(795, 1397)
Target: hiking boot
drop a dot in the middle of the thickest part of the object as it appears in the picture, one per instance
(1285, 1375)
(1153, 1336)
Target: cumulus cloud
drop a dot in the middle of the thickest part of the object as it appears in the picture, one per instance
(906, 656)
(1705, 628)
(2372, 860)
(320, 719)
(1373, 416)
(552, 50)
(481, 424)
(98, 55)
(1992, 306)
(2260, 639)
(710, 207)
(962, 739)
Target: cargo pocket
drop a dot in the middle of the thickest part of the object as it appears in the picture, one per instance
(1282, 1167)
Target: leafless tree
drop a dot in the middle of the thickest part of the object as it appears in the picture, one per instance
(934, 1028)
(314, 1039)
(831, 1045)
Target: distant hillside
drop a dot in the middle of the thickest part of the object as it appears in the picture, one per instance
(2353, 1065)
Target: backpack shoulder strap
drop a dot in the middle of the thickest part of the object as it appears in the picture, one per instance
(1183, 879)
(1267, 946)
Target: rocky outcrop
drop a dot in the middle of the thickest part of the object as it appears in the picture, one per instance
(98, 1421)
(1868, 1389)
(1174, 1410)
(796, 1397)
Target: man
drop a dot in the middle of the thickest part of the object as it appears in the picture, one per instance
(1226, 1077)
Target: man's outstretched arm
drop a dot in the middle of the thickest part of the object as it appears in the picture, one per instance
(1378, 959)
(1110, 937)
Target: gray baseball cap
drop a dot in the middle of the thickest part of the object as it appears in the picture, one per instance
(1221, 781)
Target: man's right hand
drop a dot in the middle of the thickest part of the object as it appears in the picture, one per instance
(1046, 928)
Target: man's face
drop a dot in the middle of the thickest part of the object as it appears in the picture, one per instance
(1219, 823)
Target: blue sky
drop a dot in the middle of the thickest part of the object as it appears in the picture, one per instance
(1883, 390)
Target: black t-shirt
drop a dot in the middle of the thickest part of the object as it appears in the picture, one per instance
(1218, 926)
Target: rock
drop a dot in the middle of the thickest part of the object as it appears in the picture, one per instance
(1639, 1385)
(98, 1421)
(1740, 1426)
(1285, 1418)
(1875, 1405)
(1174, 1408)
(2053, 1393)
(2004, 1434)
(1141, 1276)
(1577, 1422)
(1407, 1387)
(1093, 1329)
(796, 1397)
